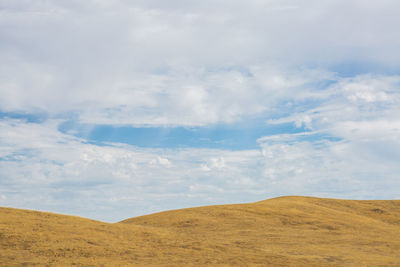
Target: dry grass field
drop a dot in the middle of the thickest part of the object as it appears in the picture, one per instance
(285, 231)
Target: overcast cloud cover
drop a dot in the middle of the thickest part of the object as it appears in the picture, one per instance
(324, 73)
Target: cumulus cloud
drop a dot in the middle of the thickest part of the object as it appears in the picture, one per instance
(44, 169)
(361, 100)
(326, 67)
(183, 63)
(352, 138)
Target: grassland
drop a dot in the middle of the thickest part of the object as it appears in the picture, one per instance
(285, 231)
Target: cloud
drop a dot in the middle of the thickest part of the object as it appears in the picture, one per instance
(327, 67)
(350, 149)
(361, 100)
(183, 64)
(44, 169)
(352, 138)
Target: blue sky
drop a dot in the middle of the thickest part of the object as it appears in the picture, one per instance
(113, 109)
(236, 136)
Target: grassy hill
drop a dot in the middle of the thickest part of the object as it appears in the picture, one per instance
(280, 232)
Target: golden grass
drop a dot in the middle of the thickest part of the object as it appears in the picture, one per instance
(285, 231)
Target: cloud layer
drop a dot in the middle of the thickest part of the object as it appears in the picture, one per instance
(145, 62)
(326, 67)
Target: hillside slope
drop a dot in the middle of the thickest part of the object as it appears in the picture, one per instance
(281, 231)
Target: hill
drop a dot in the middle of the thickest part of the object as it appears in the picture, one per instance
(280, 232)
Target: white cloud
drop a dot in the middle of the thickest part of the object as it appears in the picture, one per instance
(354, 140)
(217, 163)
(197, 63)
(161, 161)
(44, 169)
(185, 63)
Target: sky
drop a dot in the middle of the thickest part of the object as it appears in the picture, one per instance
(114, 109)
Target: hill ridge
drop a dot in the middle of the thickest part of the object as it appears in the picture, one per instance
(282, 231)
